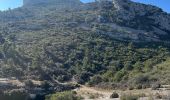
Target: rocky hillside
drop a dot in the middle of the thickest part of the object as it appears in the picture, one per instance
(103, 42)
(51, 2)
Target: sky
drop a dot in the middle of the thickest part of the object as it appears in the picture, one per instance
(164, 4)
(6, 4)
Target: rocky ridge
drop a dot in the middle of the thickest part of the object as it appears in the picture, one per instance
(151, 22)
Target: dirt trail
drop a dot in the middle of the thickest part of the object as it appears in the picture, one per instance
(90, 93)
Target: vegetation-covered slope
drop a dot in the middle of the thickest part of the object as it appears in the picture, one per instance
(88, 43)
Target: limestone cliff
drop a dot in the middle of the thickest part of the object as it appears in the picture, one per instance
(36, 2)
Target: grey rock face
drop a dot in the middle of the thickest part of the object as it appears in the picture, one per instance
(154, 23)
(133, 21)
(36, 2)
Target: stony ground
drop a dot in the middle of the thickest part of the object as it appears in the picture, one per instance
(90, 93)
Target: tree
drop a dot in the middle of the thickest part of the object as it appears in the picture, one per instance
(128, 66)
(29, 83)
(138, 66)
(95, 80)
(45, 85)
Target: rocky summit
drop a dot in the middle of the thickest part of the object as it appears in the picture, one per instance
(131, 20)
(40, 2)
(48, 44)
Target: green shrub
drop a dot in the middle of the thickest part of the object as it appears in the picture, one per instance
(155, 86)
(114, 95)
(94, 96)
(158, 96)
(29, 83)
(95, 80)
(141, 79)
(15, 95)
(131, 87)
(119, 75)
(139, 86)
(45, 85)
(129, 97)
(67, 95)
(91, 96)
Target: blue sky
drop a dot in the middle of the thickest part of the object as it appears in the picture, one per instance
(5, 4)
(164, 4)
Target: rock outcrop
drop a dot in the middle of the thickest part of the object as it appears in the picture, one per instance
(154, 23)
(58, 2)
(138, 21)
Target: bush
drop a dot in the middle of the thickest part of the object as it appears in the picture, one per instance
(83, 77)
(67, 95)
(141, 79)
(63, 78)
(14, 95)
(144, 86)
(94, 96)
(155, 86)
(158, 96)
(129, 97)
(114, 95)
(95, 80)
(29, 83)
(45, 85)
(139, 86)
(119, 75)
(131, 87)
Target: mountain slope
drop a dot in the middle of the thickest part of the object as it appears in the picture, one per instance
(113, 41)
